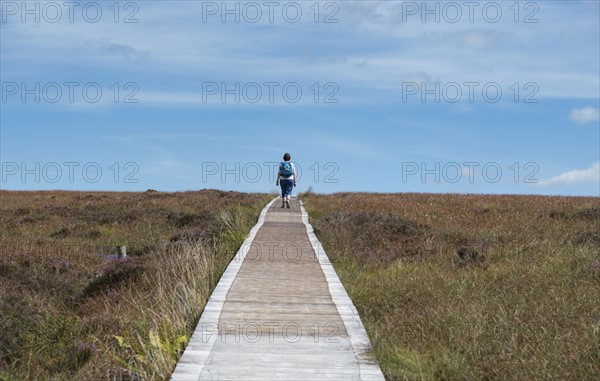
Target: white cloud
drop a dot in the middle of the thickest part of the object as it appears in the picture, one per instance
(585, 115)
(177, 44)
(479, 40)
(591, 174)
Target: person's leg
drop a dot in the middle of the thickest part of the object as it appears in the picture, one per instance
(283, 189)
(288, 193)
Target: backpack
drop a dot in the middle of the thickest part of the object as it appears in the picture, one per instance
(285, 169)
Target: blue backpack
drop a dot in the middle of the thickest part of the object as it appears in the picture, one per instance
(285, 169)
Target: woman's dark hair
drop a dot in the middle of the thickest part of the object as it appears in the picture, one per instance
(286, 157)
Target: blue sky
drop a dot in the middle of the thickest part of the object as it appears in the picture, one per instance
(374, 124)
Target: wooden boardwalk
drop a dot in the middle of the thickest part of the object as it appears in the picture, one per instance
(279, 312)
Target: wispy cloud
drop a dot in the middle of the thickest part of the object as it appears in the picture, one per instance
(480, 39)
(184, 45)
(133, 138)
(575, 176)
(585, 115)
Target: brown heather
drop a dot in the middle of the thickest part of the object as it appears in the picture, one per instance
(470, 287)
(68, 311)
(450, 287)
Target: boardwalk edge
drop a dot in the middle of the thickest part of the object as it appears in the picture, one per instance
(369, 368)
(193, 360)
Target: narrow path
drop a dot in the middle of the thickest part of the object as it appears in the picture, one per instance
(279, 312)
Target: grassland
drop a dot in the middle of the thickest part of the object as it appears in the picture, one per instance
(68, 311)
(470, 287)
(450, 287)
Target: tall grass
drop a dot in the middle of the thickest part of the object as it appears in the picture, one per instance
(68, 312)
(466, 287)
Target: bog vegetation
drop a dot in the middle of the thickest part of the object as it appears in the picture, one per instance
(470, 287)
(449, 287)
(69, 310)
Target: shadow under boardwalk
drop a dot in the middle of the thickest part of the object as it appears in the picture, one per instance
(279, 312)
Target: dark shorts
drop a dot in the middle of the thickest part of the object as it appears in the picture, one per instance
(286, 187)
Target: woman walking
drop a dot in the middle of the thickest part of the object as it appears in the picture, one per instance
(286, 177)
